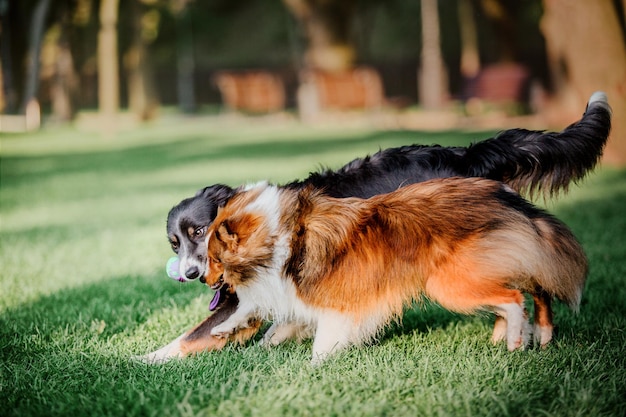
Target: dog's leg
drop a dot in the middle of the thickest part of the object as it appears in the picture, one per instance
(194, 341)
(543, 319)
(164, 354)
(507, 303)
(499, 330)
(199, 339)
(278, 333)
(517, 333)
(333, 334)
(240, 319)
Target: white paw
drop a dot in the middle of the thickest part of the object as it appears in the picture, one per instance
(542, 335)
(162, 355)
(317, 360)
(223, 330)
(154, 358)
(499, 330)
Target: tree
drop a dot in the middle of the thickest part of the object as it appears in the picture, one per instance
(57, 63)
(142, 95)
(36, 34)
(327, 27)
(586, 52)
(432, 75)
(470, 56)
(7, 88)
(108, 78)
(185, 62)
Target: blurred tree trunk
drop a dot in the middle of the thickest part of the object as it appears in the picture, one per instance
(7, 92)
(34, 48)
(108, 76)
(185, 62)
(470, 57)
(142, 96)
(327, 27)
(586, 52)
(2, 100)
(504, 25)
(64, 85)
(432, 77)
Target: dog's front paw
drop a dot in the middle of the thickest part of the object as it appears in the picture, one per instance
(155, 358)
(165, 354)
(223, 331)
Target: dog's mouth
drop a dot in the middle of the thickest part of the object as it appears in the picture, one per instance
(218, 284)
(219, 296)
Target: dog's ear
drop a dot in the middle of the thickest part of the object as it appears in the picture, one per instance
(226, 234)
(218, 193)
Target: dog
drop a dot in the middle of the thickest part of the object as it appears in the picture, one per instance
(346, 267)
(531, 162)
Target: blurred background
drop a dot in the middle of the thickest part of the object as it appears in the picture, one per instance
(405, 63)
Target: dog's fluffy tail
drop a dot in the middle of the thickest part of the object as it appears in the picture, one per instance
(536, 162)
(566, 262)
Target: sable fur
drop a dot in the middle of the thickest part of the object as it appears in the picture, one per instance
(346, 267)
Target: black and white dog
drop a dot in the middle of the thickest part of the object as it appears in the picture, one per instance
(530, 162)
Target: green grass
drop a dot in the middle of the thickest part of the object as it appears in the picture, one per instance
(83, 288)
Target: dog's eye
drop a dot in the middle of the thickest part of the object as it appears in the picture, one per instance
(199, 232)
(173, 243)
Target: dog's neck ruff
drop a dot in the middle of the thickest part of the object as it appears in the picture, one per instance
(270, 294)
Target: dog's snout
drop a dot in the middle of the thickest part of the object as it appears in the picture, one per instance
(192, 273)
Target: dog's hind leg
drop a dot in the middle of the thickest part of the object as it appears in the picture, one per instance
(517, 333)
(543, 328)
(464, 297)
(499, 330)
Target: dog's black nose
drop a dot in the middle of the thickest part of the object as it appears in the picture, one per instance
(192, 273)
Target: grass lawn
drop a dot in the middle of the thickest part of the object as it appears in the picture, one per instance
(83, 288)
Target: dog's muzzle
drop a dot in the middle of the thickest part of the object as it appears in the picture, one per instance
(192, 273)
(218, 284)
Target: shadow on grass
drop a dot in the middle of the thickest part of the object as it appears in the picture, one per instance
(122, 304)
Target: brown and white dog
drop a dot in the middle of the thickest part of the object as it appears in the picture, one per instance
(344, 268)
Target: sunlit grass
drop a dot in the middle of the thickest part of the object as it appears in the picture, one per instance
(82, 289)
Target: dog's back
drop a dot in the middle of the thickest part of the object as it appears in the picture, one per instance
(462, 242)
